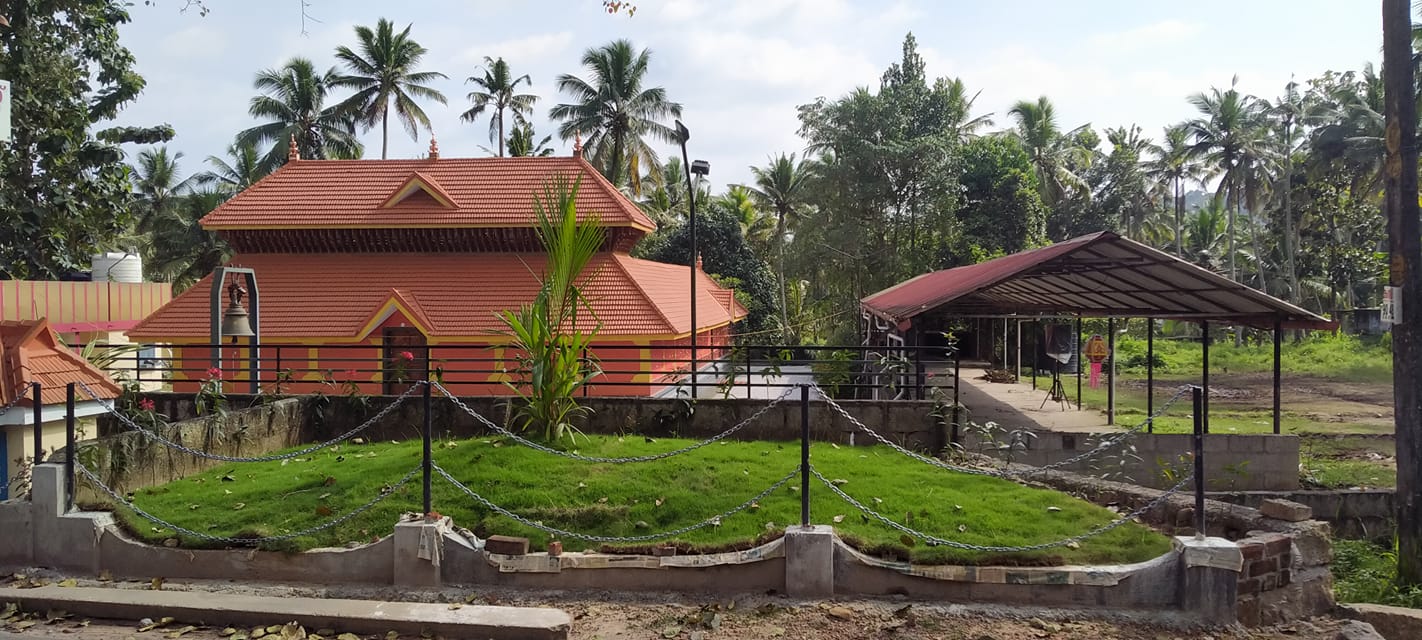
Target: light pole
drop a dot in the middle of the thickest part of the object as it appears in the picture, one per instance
(701, 168)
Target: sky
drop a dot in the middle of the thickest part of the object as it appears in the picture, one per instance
(740, 67)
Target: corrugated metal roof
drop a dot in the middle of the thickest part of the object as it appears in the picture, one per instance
(1102, 274)
(31, 352)
(454, 295)
(487, 192)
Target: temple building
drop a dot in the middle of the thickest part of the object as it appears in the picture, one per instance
(369, 270)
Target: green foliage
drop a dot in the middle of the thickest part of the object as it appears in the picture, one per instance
(498, 91)
(293, 100)
(638, 499)
(1339, 356)
(549, 341)
(65, 192)
(1002, 211)
(383, 75)
(1366, 572)
(724, 253)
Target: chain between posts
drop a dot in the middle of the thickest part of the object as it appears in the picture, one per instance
(1105, 444)
(712, 521)
(491, 425)
(157, 437)
(125, 503)
(936, 541)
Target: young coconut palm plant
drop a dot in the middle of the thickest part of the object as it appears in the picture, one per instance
(549, 340)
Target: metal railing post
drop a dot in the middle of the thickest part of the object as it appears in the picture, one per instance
(69, 449)
(38, 423)
(805, 455)
(428, 462)
(749, 392)
(1199, 446)
(920, 374)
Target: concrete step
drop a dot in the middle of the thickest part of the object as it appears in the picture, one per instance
(362, 617)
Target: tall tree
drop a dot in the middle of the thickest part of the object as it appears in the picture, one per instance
(498, 91)
(1405, 243)
(1050, 148)
(294, 99)
(182, 251)
(783, 187)
(616, 111)
(66, 187)
(241, 169)
(1230, 131)
(1175, 166)
(1122, 193)
(1002, 210)
(1287, 114)
(384, 73)
(524, 142)
(156, 182)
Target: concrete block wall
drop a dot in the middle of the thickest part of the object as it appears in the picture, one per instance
(1359, 514)
(1233, 462)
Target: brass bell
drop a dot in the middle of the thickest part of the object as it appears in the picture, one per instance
(235, 321)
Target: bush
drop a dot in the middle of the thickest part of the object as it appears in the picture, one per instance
(1366, 572)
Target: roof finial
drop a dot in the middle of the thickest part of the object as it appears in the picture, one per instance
(577, 143)
(292, 153)
(434, 148)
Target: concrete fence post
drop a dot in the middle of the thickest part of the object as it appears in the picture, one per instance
(419, 549)
(1209, 577)
(809, 561)
(63, 540)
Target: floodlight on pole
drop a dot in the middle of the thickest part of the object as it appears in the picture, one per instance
(701, 169)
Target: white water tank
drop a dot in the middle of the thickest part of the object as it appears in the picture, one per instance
(116, 266)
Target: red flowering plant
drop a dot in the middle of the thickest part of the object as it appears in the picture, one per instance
(210, 398)
(138, 407)
(401, 365)
(347, 384)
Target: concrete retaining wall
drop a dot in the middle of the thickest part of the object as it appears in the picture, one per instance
(1362, 514)
(907, 422)
(423, 554)
(1232, 462)
(1309, 588)
(127, 460)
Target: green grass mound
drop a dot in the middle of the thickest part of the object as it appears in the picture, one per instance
(243, 500)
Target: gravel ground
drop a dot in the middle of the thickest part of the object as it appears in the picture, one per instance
(605, 616)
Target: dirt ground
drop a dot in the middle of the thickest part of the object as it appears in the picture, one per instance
(1365, 406)
(677, 616)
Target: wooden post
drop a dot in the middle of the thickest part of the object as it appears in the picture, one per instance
(1150, 374)
(1405, 271)
(1205, 372)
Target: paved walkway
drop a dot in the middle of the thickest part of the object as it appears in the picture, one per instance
(1016, 405)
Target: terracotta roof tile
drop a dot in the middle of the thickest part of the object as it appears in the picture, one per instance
(31, 352)
(352, 193)
(335, 296)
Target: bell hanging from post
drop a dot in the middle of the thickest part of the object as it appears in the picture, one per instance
(235, 321)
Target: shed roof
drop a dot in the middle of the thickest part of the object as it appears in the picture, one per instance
(1097, 275)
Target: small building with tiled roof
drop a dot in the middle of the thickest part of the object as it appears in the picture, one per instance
(359, 260)
(31, 352)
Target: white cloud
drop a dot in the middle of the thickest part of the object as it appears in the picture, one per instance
(195, 42)
(820, 68)
(527, 50)
(1156, 34)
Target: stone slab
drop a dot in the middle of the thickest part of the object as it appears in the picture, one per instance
(353, 616)
(1394, 623)
(1286, 510)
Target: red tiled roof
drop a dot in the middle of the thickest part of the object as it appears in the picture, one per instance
(484, 192)
(336, 296)
(31, 352)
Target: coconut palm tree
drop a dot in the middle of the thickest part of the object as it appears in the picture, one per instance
(616, 111)
(783, 187)
(1051, 149)
(156, 183)
(1175, 166)
(183, 251)
(294, 99)
(757, 225)
(498, 90)
(960, 106)
(232, 176)
(1231, 136)
(384, 73)
(524, 142)
(1204, 233)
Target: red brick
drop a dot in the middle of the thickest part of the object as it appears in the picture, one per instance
(1251, 551)
(1278, 545)
(1249, 586)
(1261, 567)
(506, 545)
